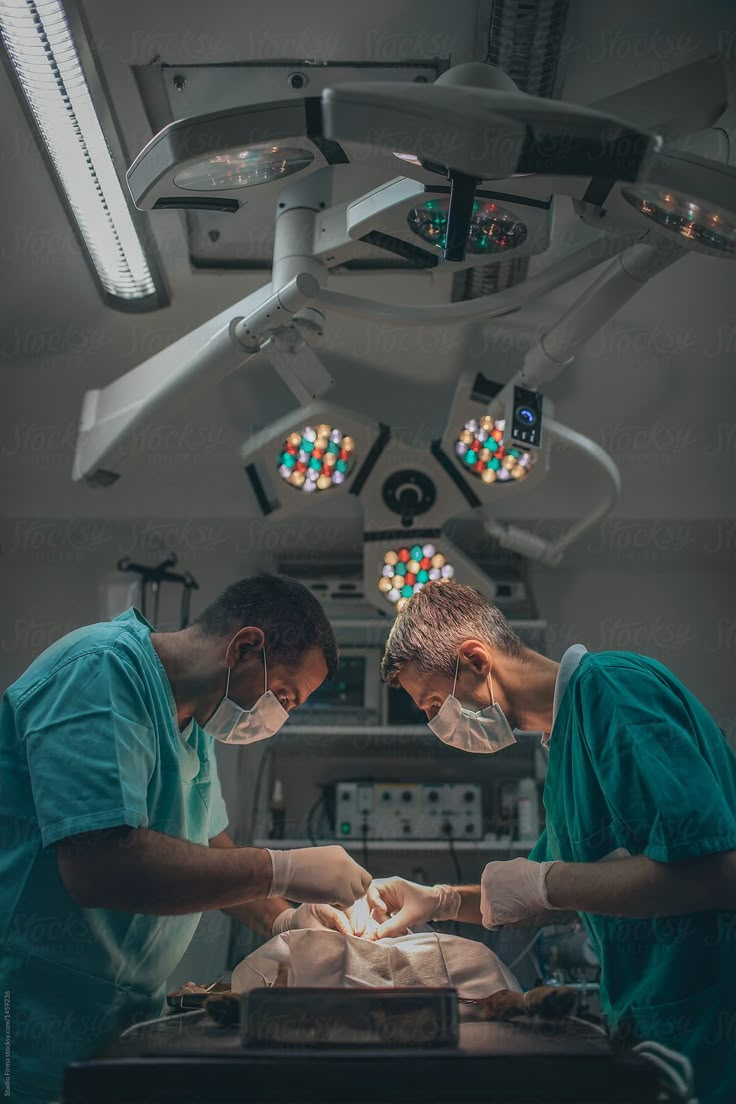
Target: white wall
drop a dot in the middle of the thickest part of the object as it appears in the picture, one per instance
(685, 618)
(666, 588)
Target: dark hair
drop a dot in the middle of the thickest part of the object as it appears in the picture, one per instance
(291, 617)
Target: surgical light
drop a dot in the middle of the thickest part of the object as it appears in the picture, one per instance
(316, 458)
(408, 568)
(493, 229)
(708, 227)
(480, 451)
(243, 168)
(410, 158)
(46, 64)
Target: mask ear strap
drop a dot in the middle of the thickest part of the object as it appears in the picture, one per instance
(490, 680)
(229, 669)
(265, 670)
(457, 664)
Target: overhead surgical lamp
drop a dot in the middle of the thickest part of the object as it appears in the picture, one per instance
(395, 569)
(475, 448)
(473, 126)
(685, 198)
(408, 568)
(408, 497)
(409, 217)
(681, 216)
(316, 458)
(43, 44)
(318, 449)
(474, 121)
(210, 162)
(489, 160)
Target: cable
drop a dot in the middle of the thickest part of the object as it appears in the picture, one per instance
(257, 795)
(589, 1023)
(311, 832)
(666, 1060)
(455, 859)
(525, 952)
(160, 1019)
(364, 837)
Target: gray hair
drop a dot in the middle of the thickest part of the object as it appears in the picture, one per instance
(433, 624)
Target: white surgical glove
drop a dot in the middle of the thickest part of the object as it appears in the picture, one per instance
(399, 905)
(318, 875)
(513, 890)
(321, 917)
(361, 919)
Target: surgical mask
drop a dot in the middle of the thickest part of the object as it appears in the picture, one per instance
(483, 732)
(232, 724)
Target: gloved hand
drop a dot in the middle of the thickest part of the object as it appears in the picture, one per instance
(322, 917)
(397, 905)
(318, 875)
(362, 922)
(513, 890)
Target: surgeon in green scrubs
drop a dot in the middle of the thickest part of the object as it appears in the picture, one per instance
(112, 824)
(640, 834)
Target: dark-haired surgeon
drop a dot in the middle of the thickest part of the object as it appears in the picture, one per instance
(112, 822)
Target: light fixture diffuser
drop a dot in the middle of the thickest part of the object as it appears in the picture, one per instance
(316, 458)
(243, 168)
(45, 64)
(696, 222)
(408, 567)
(493, 228)
(480, 451)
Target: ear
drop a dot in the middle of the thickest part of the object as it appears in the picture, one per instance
(246, 641)
(476, 655)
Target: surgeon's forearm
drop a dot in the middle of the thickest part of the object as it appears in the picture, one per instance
(470, 911)
(259, 916)
(469, 904)
(140, 870)
(639, 886)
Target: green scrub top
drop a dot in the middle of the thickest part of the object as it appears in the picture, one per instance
(89, 740)
(636, 762)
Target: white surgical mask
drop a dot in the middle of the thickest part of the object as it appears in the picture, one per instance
(232, 724)
(483, 732)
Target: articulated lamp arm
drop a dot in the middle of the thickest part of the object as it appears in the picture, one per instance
(550, 552)
(200, 359)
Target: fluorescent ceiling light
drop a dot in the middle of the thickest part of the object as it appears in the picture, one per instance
(46, 65)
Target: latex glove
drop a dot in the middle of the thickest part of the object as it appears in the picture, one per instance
(361, 919)
(398, 905)
(318, 875)
(322, 917)
(513, 890)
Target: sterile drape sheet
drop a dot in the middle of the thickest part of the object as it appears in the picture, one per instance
(328, 959)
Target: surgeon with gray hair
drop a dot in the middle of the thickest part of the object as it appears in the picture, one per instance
(639, 774)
